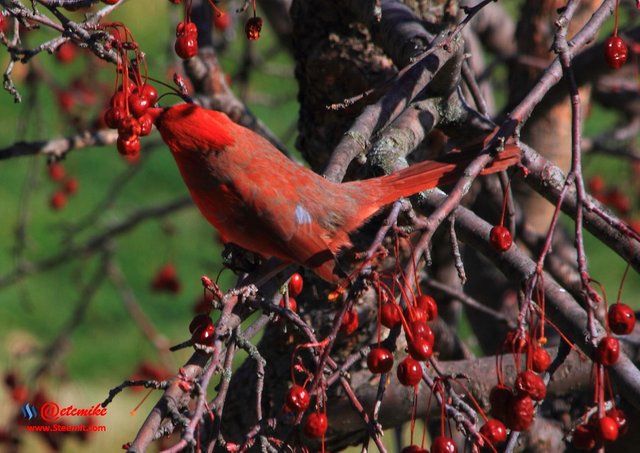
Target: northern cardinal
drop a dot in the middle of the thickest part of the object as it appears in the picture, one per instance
(259, 199)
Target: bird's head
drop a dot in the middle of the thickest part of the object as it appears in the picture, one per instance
(189, 128)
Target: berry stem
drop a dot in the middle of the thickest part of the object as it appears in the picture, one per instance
(624, 277)
(615, 24)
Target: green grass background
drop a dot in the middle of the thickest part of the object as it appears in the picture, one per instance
(108, 346)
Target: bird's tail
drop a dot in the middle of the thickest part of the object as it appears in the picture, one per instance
(429, 174)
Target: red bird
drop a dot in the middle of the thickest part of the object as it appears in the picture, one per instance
(259, 199)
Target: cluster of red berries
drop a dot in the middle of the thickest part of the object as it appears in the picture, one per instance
(297, 402)
(298, 398)
(166, 279)
(603, 425)
(127, 112)
(611, 196)
(186, 45)
(599, 429)
(128, 109)
(420, 337)
(606, 426)
(621, 320)
(514, 407)
(67, 185)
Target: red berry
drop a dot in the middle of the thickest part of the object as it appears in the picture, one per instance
(607, 429)
(149, 92)
(110, 2)
(596, 184)
(443, 444)
(295, 284)
(621, 319)
(166, 279)
(429, 305)
(56, 171)
(186, 29)
(316, 425)
(199, 321)
(519, 413)
(204, 334)
(422, 330)
(66, 53)
(379, 360)
(252, 28)
(118, 100)
(350, 322)
(418, 314)
(494, 431)
(58, 201)
(529, 383)
(409, 372)
(129, 127)
(608, 351)
(186, 46)
(583, 437)
(390, 315)
(615, 52)
(298, 399)
(620, 418)
(66, 101)
(138, 104)
(500, 238)
(420, 349)
(146, 123)
(414, 449)
(19, 394)
(128, 146)
(71, 186)
(500, 398)
(540, 360)
(293, 305)
(222, 21)
(114, 116)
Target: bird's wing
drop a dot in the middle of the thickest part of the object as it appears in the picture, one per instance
(285, 201)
